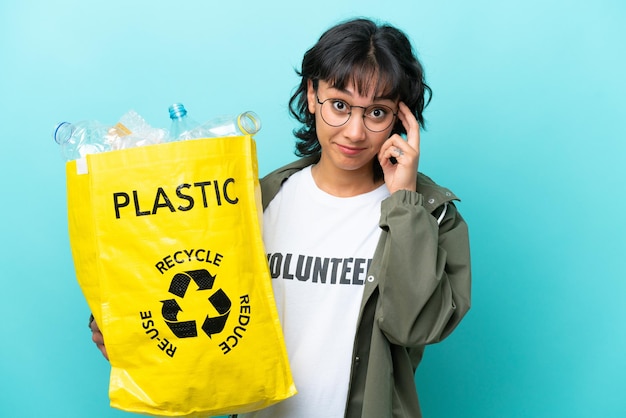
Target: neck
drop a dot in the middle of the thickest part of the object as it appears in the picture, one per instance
(344, 183)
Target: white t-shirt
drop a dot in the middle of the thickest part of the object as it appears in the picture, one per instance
(319, 249)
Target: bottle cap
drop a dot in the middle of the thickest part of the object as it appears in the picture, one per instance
(63, 132)
(249, 122)
(177, 111)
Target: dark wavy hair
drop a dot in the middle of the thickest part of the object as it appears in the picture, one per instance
(369, 56)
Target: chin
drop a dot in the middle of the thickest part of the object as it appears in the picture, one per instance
(349, 164)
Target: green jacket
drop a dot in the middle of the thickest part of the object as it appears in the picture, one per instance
(417, 291)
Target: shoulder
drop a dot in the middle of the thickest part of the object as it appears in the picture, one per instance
(434, 194)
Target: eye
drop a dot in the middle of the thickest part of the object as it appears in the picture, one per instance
(340, 106)
(377, 112)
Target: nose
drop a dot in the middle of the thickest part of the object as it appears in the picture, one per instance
(355, 128)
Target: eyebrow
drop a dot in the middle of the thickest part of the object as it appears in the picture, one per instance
(351, 94)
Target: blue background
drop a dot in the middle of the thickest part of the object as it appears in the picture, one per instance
(526, 125)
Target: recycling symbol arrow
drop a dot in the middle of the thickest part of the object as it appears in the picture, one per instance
(219, 300)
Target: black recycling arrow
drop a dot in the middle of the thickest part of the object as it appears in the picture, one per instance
(185, 329)
(216, 324)
(203, 278)
(220, 302)
(170, 309)
(180, 282)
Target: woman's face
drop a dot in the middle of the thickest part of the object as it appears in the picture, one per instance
(351, 146)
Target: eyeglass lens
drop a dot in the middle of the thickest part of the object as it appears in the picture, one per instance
(376, 117)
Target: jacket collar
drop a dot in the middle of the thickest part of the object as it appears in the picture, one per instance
(434, 195)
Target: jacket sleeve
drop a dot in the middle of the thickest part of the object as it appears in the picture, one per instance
(425, 276)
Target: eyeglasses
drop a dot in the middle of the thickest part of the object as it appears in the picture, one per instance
(337, 112)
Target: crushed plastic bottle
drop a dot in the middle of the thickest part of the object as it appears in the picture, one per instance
(81, 138)
(138, 132)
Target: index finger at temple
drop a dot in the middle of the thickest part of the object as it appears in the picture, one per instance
(414, 139)
(411, 125)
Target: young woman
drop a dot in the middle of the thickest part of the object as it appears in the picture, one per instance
(369, 258)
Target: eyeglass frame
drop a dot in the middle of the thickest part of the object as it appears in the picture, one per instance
(321, 103)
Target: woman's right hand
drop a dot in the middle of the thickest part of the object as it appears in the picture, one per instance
(98, 338)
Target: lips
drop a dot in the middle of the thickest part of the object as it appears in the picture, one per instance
(348, 150)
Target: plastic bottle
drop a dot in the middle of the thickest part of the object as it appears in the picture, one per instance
(81, 138)
(246, 123)
(181, 125)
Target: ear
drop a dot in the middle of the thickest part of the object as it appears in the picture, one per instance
(311, 96)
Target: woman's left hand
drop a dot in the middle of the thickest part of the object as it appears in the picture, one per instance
(403, 174)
